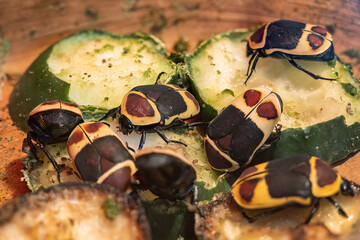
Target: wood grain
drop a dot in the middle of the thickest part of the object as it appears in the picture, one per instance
(31, 26)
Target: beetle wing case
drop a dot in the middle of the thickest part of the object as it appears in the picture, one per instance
(158, 104)
(286, 181)
(165, 172)
(95, 148)
(242, 128)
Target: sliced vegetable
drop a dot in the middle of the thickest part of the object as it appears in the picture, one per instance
(73, 211)
(219, 65)
(91, 68)
(223, 219)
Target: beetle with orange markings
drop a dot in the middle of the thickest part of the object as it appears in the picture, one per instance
(300, 180)
(150, 108)
(290, 40)
(52, 122)
(99, 155)
(237, 133)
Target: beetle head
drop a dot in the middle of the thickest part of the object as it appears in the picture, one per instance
(348, 188)
(126, 126)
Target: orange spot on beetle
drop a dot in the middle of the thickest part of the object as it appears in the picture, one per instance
(325, 174)
(225, 142)
(138, 106)
(247, 189)
(267, 110)
(76, 136)
(315, 41)
(248, 171)
(258, 35)
(252, 97)
(92, 127)
(319, 30)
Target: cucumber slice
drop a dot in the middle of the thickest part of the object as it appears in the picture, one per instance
(313, 109)
(90, 68)
(179, 221)
(74, 211)
(223, 219)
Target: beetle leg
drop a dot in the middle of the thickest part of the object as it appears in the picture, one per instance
(313, 211)
(337, 206)
(159, 76)
(52, 160)
(31, 136)
(142, 140)
(110, 113)
(274, 137)
(166, 139)
(306, 71)
(181, 123)
(130, 148)
(254, 59)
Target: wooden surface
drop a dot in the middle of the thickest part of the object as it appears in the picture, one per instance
(30, 26)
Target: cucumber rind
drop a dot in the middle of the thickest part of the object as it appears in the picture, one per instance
(40, 84)
(332, 139)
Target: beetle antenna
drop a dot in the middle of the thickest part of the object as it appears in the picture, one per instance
(254, 59)
(349, 188)
(159, 76)
(250, 61)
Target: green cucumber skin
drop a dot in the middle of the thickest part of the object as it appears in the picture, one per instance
(170, 220)
(23, 100)
(207, 111)
(38, 84)
(332, 140)
(324, 140)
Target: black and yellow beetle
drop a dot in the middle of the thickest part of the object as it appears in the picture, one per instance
(149, 108)
(233, 137)
(164, 172)
(52, 122)
(300, 180)
(290, 40)
(99, 155)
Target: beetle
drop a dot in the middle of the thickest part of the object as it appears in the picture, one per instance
(299, 180)
(94, 149)
(290, 40)
(150, 108)
(52, 122)
(241, 128)
(164, 172)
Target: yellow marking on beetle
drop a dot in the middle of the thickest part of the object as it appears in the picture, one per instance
(322, 191)
(127, 163)
(160, 150)
(303, 47)
(55, 105)
(140, 121)
(261, 197)
(74, 148)
(308, 28)
(260, 45)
